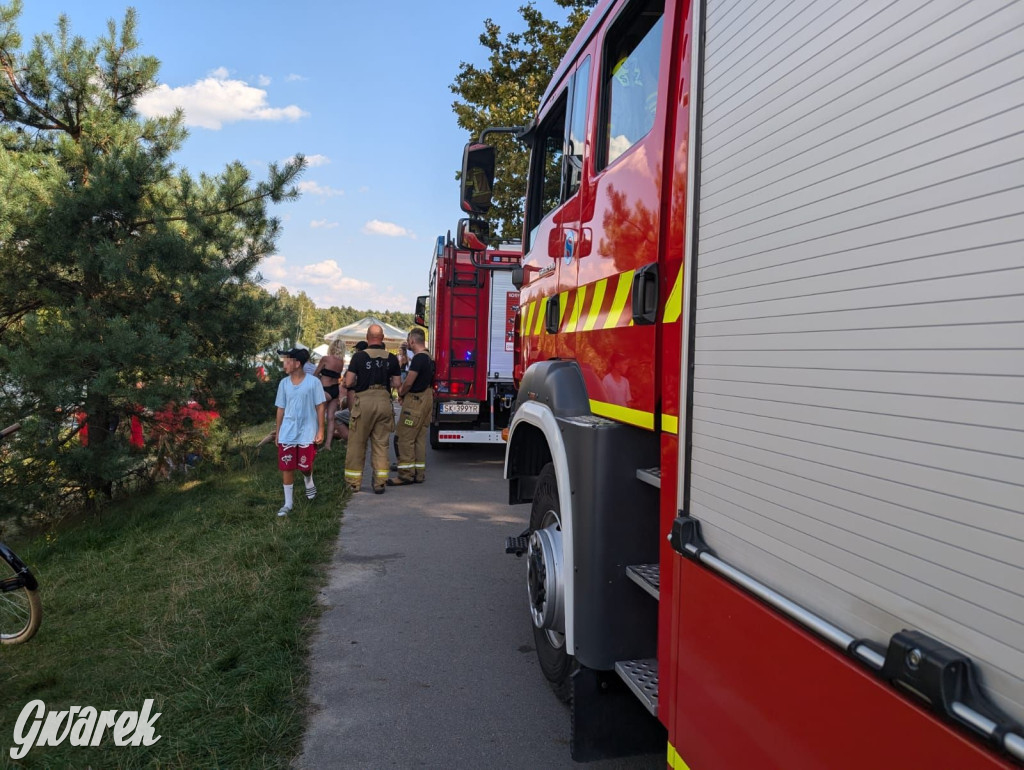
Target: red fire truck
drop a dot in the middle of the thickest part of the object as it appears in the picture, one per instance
(772, 421)
(470, 319)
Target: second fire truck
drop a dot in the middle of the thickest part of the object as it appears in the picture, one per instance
(470, 318)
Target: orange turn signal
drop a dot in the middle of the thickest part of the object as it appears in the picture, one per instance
(504, 435)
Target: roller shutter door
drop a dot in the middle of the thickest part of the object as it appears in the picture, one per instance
(504, 296)
(858, 398)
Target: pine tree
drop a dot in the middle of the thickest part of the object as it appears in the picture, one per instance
(127, 283)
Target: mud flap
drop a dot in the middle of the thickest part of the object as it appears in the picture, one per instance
(608, 720)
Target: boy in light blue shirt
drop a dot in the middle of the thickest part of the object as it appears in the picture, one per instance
(300, 423)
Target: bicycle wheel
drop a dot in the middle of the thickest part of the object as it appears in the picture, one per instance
(20, 608)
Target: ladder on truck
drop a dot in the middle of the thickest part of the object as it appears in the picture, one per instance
(464, 316)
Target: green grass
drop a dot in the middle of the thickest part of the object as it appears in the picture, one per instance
(196, 595)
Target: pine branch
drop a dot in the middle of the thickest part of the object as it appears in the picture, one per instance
(204, 214)
(7, 66)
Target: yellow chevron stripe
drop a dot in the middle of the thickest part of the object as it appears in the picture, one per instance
(581, 297)
(674, 760)
(563, 304)
(595, 304)
(526, 319)
(541, 307)
(670, 423)
(623, 414)
(674, 305)
(619, 302)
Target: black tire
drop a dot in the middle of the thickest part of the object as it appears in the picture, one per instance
(21, 610)
(555, 662)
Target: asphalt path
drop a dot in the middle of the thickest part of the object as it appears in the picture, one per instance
(424, 654)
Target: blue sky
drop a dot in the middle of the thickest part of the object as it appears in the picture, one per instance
(361, 88)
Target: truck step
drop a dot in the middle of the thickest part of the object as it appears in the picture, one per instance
(517, 545)
(642, 678)
(647, 576)
(650, 476)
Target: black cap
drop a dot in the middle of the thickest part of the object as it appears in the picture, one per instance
(299, 354)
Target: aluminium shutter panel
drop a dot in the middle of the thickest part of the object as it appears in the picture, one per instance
(858, 396)
(499, 359)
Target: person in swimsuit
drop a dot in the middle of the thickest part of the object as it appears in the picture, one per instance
(329, 371)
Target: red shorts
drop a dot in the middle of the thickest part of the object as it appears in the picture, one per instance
(291, 457)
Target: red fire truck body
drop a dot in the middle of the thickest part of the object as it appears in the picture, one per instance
(470, 318)
(772, 417)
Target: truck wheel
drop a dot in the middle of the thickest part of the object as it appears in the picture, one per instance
(435, 442)
(546, 584)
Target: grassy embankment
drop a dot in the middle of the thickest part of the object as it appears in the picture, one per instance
(196, 595)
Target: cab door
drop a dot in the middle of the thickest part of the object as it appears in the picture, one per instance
(574, 239)
(620, 279)
(543, 237)
(555, 202)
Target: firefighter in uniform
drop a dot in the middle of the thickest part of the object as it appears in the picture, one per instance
(417, 395)
(371, 375)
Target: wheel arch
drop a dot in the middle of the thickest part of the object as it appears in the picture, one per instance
(549, 390)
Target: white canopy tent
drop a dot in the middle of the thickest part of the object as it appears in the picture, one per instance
(354, 332)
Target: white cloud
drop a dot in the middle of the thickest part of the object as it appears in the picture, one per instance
(327, 285)
(323, 223)
(315, 188)
(214, 101)
(262, 81)
(312, 161)
(364, 189)
(390, 229)
(293, 77)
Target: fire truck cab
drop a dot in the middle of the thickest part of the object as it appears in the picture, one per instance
(771, 425)
(470, 319)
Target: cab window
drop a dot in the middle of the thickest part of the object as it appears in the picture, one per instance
(577, 130)
(546, 168)
(630, 83)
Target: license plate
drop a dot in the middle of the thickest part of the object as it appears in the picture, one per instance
(460, 407)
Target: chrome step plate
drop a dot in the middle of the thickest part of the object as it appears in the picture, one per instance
(642, 678)
(647, 576)
(650, 476)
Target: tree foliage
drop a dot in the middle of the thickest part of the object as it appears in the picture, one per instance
(306, 323)
(507, 93)
(128, 283)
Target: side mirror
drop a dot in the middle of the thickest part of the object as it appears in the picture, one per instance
(419, 317)
(518, 276)
(477, 179)
(472, 234)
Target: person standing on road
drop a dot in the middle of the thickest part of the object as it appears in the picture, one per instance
(371, 375)
(300, 423)
(417, 396)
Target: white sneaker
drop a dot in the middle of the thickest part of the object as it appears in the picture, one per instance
(285, 510)
(311, 492)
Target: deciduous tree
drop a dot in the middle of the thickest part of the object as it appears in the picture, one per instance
(507, 93)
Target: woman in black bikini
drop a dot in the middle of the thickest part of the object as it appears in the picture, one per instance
(329, 370)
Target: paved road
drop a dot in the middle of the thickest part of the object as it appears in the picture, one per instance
(424, 656)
